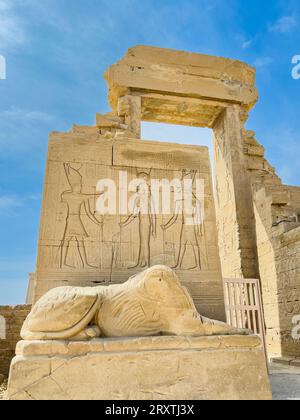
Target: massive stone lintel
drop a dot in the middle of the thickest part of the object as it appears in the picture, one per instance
(180, 87)
(155, 368)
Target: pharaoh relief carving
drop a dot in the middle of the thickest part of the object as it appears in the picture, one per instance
(75, 232)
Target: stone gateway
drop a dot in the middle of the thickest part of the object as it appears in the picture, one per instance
(127, 292)
(252, 222)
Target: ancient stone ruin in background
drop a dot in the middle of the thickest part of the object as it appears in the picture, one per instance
(252, 226)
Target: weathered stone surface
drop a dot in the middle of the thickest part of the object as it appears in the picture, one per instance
(113, 252)
(3, 389)
(11, 321)
(295, 363)
(98, 345)
(193, 75)
(286, 361)
(159, 368)
(253, 229)
(151, 303)
(278, 239)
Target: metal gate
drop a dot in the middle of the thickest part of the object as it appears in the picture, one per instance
(244, 307)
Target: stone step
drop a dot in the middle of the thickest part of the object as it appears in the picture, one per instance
(287, 361)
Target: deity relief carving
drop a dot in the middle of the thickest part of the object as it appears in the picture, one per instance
(190, 234)
(144, 212)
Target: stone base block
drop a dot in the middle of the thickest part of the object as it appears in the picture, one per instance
(287, 361)
(156, 368)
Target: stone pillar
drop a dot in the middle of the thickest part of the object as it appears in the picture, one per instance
(130, 108)
(268, 270)
(234, 201)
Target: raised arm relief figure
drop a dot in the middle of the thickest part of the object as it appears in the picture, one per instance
(75, 230)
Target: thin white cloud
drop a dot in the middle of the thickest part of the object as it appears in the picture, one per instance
(263, 62)
(34, 197)
(23, 130)
(284, 25)
(12, 202)
(11, 26)
(9, 202)
(25, 116)
(247, 44)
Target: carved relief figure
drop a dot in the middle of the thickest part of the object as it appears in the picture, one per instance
(151, 303)
(144, 212)
(189, 233)
(218, 192)
(220, 137)
(130, 108)
(75, 230)
(116, 256)
(291, 301)
(228, 185)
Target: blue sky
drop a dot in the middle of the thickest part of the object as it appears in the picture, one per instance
(56, 53)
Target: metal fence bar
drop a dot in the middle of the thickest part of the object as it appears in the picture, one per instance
(244, 307)
(242, 301)
(254, 320)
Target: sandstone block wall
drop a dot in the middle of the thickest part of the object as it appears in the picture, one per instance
(257, 217)
(11, 321)
(277, 214)
(110, 250)
(287, 264)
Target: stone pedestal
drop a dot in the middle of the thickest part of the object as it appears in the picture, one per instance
(156, 368)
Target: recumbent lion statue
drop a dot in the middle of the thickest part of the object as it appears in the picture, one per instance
(151, 303)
